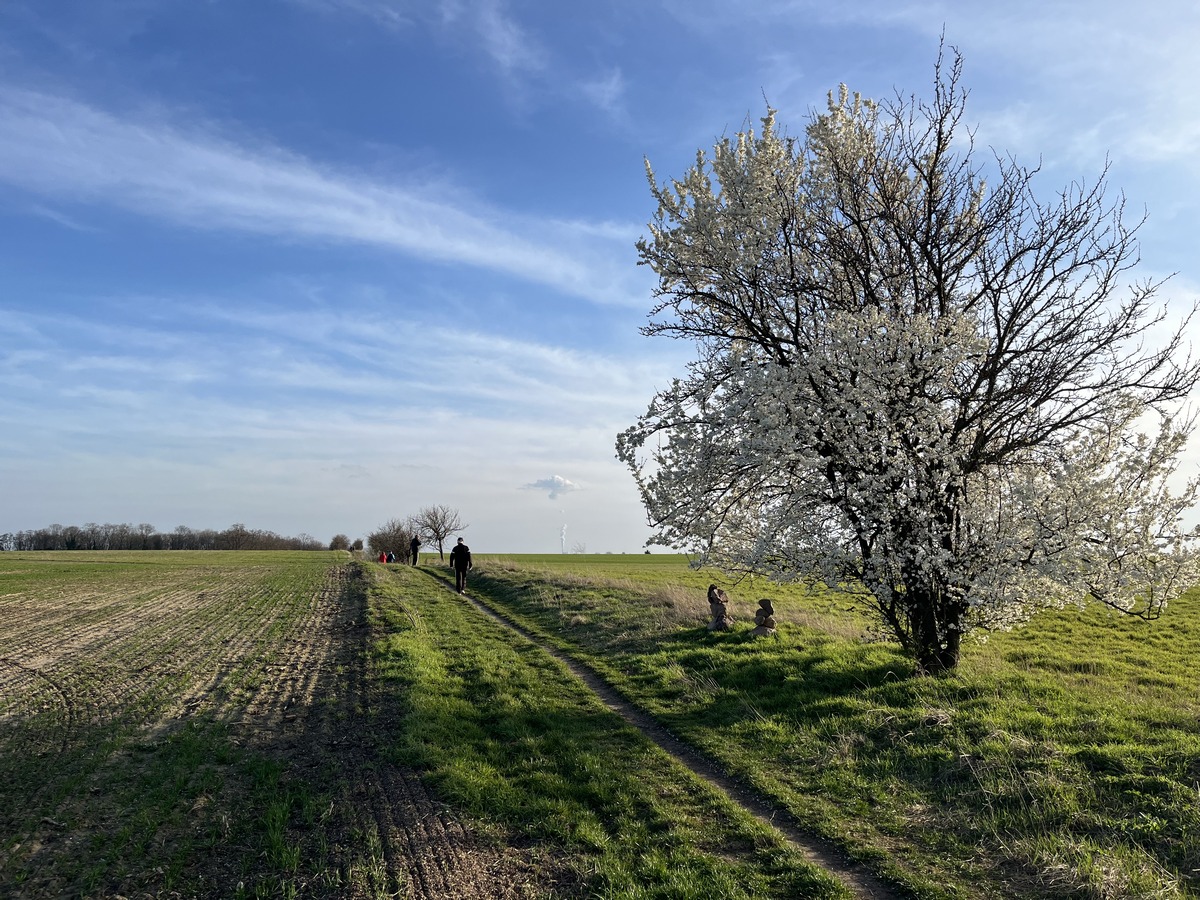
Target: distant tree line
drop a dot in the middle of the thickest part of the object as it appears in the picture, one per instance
(146, 537)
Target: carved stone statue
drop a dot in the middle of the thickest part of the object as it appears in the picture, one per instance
(764, 619)
(718, 605)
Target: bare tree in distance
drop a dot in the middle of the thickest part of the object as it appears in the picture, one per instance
(915, 380)
(392, 536)
(237, 536)
(435, 524)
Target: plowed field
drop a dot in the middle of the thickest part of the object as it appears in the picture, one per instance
(204, 725)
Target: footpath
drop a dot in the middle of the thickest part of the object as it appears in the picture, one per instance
(857, 877)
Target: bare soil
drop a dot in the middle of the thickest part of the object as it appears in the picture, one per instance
(93, 686)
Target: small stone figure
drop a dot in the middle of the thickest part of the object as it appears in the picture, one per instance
(718, 604)
(764, 619)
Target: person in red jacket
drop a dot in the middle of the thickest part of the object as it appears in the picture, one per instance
(460, 562)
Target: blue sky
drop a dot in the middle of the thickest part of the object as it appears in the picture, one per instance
(312, 264)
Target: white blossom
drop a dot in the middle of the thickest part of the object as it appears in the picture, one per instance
(907, 383)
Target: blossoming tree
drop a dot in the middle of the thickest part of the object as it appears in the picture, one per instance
(923, 387)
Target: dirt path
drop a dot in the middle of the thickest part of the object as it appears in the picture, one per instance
(863, 882)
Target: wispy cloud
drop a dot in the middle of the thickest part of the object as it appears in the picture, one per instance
(55, 215)
(484, 24)
(555, 486)
(292, 407)
(491, 30)
(75, 153)
(509, 45)
(1072, 80)
(229, 369)
(385, 12)
(606, 92)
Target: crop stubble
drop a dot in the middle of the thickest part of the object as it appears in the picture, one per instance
(97, 675)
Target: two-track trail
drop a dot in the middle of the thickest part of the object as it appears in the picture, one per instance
(858, 878)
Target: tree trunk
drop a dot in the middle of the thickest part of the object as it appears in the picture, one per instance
(936, 630)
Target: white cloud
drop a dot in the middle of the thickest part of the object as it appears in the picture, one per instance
(385, 12)
(1079, 77)
(240, 378)
(505, 41)
(606, 92)
(64, 220)
(555, 486)
(490, 28)
(486, 24)
(60, 148)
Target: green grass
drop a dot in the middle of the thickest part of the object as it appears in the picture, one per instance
(513, 740)
(1060, 760)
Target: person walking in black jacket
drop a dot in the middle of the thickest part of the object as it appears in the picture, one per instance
(460, 562)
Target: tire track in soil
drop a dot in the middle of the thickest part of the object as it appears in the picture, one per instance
(425, 848)
(857, 877)
(61, 726)
(437, 856)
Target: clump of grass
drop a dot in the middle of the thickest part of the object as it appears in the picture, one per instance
(683, 606)
(1084, 868)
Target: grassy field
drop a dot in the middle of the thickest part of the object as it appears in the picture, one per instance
(147, 706)
(510, 738)
(270, 724)
(1060, 760)
(291, 724)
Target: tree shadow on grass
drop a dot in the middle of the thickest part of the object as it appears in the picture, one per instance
(745, 678)
(510, 737)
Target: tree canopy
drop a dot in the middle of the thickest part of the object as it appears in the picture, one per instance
(436, 523)
(914, 379)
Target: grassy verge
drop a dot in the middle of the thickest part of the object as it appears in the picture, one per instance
(509, 737)
(1062, 760)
